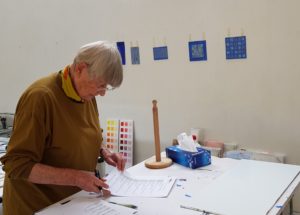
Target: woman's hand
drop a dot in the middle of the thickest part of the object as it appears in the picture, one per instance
(89, 182)
(114, 159)
(85, 180)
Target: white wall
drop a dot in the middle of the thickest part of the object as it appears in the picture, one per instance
(253, 102)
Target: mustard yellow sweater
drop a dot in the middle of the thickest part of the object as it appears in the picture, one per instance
(52, 129)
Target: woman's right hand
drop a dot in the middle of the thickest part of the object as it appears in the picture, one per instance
(89, 182)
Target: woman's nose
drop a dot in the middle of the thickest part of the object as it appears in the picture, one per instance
(102, 92)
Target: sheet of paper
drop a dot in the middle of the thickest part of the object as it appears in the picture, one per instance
(87, 206)
(123, 184)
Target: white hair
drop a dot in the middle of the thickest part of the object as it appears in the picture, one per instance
(104, 60)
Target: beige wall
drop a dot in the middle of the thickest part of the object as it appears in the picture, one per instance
(253, 102)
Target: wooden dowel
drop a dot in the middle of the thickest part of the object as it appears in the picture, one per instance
(156, 131)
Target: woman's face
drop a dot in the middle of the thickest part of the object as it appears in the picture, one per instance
(86, 87)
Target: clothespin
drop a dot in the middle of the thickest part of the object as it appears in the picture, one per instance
(228, 32)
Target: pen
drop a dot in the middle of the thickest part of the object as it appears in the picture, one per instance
(199, 210)
(65, 202)
(125, 205)
(97, 174)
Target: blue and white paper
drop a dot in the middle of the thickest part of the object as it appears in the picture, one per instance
(197, 50)
(160, 53)
(236, 47)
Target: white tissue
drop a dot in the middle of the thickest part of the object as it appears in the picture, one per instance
(186, 142)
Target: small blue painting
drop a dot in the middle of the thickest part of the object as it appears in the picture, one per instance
(135, 55)
(121, 48)
(197, 50)
(236, 47)
(160, 53)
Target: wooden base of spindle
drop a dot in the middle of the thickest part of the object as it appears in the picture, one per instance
(151, 163)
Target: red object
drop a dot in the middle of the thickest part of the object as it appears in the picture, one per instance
(194, 137)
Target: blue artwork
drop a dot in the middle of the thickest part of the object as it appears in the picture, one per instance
(160, 53)
(135, 55)
(121, 48)
(197, 50)
(236, 47)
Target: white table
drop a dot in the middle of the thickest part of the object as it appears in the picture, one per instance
(192, 187)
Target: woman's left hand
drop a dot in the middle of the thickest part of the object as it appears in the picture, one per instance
(114, 159)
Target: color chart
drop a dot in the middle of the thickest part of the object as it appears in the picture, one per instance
(119, 138)
(112, 134)
(126, 140)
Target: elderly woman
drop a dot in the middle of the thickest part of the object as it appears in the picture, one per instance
(56, 137)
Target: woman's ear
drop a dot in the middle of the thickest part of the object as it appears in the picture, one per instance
(80, 67)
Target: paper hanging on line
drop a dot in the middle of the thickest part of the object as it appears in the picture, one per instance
(88, 206)
(123, 184)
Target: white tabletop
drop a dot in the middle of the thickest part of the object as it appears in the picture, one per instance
(194, 185)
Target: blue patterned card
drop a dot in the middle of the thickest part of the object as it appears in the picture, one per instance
(135, 55)
(236, 47)
(197, 50)
(160, 53)
(121, 48)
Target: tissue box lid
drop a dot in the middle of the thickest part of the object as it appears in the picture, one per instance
(189, 159)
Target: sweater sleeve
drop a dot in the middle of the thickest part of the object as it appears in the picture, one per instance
(30, 133)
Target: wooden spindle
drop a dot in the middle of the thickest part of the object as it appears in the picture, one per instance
(157, 162)
(156, 130)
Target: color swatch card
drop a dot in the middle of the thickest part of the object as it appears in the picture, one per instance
(126, 140)
(112, 135)
(236, 47)
(119, 138)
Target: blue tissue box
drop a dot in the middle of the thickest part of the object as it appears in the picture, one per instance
(189, 159)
